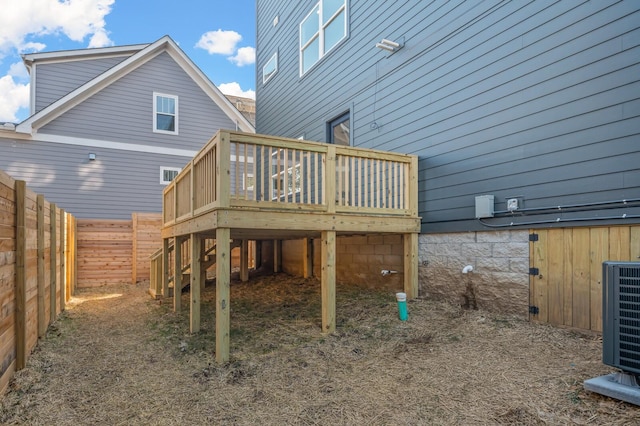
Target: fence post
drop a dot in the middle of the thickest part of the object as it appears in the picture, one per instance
(63, 260)
(134, 248)
(42, 322)
(53, 269)
(21, 274)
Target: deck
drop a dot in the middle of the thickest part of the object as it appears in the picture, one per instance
(242, 187)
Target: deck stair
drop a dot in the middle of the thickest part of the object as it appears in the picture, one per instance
(208, 256)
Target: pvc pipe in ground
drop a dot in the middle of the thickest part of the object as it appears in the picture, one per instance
(403, 312)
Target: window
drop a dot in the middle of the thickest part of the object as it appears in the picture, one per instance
(321, 30)
(270, 68)
(338, 130)
(165, 113)
(167, 174)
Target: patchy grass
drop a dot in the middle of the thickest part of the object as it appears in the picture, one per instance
(118, 357)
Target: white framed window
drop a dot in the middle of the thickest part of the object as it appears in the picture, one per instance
(321, 30)
(270, 68)
(167, 174)
(165, 113)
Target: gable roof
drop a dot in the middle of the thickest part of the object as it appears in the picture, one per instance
(140, 54)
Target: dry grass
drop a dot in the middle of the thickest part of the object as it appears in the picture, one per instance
(117, 357)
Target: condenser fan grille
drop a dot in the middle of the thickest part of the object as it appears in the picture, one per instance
(627, 315)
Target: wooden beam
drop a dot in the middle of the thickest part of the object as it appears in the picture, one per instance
(21, 275)
(53, 263)
(165, 267)
(177, 274)
(223, 277)
(42, 321)
(411, 265)
(244, 261)
(196, 277)
(328, 281)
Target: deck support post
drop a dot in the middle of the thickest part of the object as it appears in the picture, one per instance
(328, 281)
(244, 261)
(223, 277)
(165, 267)
(411, 265)
(307, 257)
(196, 277)
(277, 255)
(177, 274)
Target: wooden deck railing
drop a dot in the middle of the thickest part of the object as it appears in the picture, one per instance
(252, 171)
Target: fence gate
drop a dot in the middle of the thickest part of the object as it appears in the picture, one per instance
(565, 283)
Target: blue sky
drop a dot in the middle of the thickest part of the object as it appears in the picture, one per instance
(219, 36)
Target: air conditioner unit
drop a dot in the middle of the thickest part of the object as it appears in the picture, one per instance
(620, 332)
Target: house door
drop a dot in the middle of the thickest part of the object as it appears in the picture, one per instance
(565, 282)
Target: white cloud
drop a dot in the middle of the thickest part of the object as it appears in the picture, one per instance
(100, 39)
(77, 19)
(244, 56)
(234, 89)
(18, 70)
(220, 41)
(13, 96)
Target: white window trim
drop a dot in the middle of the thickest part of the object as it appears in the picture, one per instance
(266, 78)
(320, 35)
(155, 113)
(168, 169)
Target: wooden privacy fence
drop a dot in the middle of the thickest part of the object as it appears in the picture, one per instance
(566, 284)
(115, 251)
(37, 270)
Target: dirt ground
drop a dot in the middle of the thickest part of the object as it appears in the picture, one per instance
(118, 357)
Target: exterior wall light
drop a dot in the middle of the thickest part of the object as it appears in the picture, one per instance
(92, 156)
(389, 45)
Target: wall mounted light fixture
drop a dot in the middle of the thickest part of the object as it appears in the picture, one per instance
(389, 45)
(92, 156)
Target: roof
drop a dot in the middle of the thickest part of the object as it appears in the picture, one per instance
(140, 54)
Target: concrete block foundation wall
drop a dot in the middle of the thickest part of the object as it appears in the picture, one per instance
(500, 259)
(500, 278)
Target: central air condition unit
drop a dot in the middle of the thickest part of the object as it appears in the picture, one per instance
(620, 332)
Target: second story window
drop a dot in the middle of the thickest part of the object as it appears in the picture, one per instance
(270, 68)
(321, 30)
(165, 113)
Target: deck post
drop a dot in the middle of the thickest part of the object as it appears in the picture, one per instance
(223, 276)
(177, 274)
(411, 265)
(307, 257)
(244, 261)
(328, 281)
(196, 276)
(277, 255)
(165, 267)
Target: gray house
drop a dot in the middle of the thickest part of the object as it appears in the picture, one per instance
(110, 127)
(525, 117)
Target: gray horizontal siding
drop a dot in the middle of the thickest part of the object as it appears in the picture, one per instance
(537, 99)
(55, 80)
(113, 186)
(123, 111)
